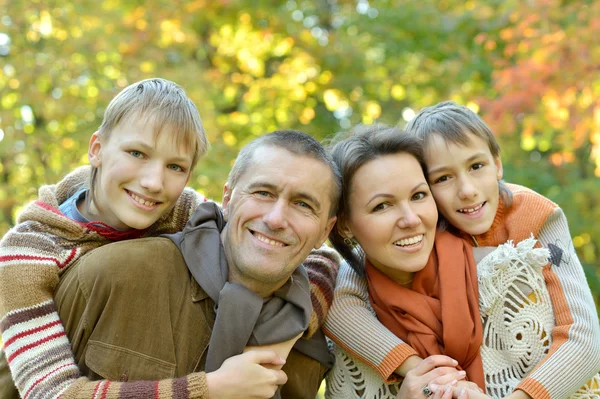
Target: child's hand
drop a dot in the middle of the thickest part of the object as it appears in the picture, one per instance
(247, 376)
(436, 369)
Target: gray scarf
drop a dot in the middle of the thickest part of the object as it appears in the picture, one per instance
(242, 317)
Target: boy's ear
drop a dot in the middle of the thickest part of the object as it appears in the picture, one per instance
(94, 153)
(226, 198)
(499, 170)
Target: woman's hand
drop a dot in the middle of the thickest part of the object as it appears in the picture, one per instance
(436, 369)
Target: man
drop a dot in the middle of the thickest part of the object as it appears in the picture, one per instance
(237, 307)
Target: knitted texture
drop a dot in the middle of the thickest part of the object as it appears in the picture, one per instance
(517, 319)
(43, 245)
(322, 267)
(575, 333)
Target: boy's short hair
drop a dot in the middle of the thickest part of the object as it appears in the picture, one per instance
(164, 105)
(453, 122)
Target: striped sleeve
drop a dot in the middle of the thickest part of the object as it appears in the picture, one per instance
(351, 320)
(576, 336)
(322, 267)
(36, 346)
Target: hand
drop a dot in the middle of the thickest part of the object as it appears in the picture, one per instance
(437, 369)
(247, 376)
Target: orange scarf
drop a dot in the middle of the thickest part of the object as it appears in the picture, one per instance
(440, 314)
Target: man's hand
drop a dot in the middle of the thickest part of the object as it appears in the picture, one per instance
(247, 376)
(436, 369)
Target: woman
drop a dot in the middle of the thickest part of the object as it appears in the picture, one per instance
(388, 209)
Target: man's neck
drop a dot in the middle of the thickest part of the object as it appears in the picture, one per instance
(261, 289)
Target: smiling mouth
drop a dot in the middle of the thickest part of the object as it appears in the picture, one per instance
(470, 211)
(267, 240)
(408, 242)
(141, 200)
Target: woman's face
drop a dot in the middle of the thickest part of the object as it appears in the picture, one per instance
(392, 214)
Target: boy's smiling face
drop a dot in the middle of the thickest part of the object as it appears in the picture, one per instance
(141, 174)
(464, 182)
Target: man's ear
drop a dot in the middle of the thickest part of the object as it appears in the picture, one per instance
(94, 150)
(226, 198)
(499, 170)
(326, 231)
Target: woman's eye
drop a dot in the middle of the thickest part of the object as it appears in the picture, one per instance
(419, 196)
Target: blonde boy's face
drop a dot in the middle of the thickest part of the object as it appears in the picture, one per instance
(464, 182)
(140, 175)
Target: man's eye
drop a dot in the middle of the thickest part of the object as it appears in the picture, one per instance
(304, 205)
(262, 193)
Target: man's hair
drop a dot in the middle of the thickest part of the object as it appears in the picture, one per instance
(162, 104)
(352, 150)
(453, 123)
(296, 142)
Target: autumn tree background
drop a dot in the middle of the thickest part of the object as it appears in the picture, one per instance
(531, 69)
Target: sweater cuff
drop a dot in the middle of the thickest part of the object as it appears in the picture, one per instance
(533, 388)
(393, 360)
(197, 386)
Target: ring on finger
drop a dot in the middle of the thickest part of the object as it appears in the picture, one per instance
(427, 391)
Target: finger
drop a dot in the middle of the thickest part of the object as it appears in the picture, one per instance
(434, 361)
(443, 375)
(280, 377)
(463, 394)
(264, 357)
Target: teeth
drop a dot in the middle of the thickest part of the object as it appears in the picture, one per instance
(267, 240)
(470, 210)
(141, 200)
(409, 241)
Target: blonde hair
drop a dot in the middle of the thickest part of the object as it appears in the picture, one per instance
(453, 123)
(166, 106)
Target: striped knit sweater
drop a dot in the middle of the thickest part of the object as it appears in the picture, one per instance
(575, 337)
(42, 246)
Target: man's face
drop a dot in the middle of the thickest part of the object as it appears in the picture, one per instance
(276, 213)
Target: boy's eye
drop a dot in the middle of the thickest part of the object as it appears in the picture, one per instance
(380, 207)
(477, 166)
(136, 154)
(176, 168)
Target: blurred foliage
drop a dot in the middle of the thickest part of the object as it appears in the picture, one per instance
(531, 69)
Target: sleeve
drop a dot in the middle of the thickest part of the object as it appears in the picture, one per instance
(353, 325)
(322, 267)
(35, 343)
(576, 335)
